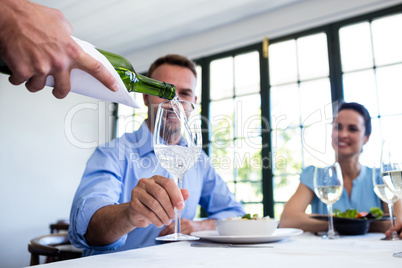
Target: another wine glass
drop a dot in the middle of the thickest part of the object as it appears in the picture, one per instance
(328, 186)
(177, 145)
(391, 168)
(387, 196)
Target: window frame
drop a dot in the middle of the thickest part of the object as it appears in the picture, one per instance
(335, 77)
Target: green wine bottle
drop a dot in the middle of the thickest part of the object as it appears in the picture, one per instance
(134, 82)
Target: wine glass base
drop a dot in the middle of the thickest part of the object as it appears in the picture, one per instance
(177, 237)
(391, 238)
(397, 255)
(325, 235)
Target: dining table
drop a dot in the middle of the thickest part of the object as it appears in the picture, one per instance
(304, 250)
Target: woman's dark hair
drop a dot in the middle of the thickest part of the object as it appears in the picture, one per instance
(173, 59)
(359, 109)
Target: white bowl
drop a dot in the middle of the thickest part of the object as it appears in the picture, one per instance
(242, 227)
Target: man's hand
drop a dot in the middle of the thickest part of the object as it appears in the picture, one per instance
(153, 201)
(35, 42)
(189, 226)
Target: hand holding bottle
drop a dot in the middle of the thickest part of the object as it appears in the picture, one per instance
(35, 42)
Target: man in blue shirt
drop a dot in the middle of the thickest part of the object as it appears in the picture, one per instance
(124, 200)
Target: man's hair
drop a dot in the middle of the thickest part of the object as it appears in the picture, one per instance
(173, 59)
(359, 109)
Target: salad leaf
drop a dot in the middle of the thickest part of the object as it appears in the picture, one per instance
(377, 212)
(349, 213)
(247, 216)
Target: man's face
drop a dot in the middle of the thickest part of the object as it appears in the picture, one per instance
(181, 77)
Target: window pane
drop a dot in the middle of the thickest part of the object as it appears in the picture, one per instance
(390, 127)
(248, 159)
(361, 87)
(221, 75)
(313, 56)
(314, 95)
(248, 116)
(285, 106)
(389, 81)
(282, 62)
(372, 149)
(222, 159)
(278, 207)
(254, 209)
(247, 73)
(356, 49)
(198, 87)
(249, 192)
(317, 147)
(285, 186)
(387, 39)
(286, 151)
(221, 121)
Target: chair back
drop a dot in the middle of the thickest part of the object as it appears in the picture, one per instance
(60, 225)
(56, 247)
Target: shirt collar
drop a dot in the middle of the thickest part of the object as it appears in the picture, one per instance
(146, 136)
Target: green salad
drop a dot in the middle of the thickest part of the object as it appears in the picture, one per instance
(374, 213)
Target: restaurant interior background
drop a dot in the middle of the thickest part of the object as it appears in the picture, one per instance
(46, 142)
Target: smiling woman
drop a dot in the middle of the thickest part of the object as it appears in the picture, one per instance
(351, 131)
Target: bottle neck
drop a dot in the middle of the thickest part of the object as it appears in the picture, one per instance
(146, 85)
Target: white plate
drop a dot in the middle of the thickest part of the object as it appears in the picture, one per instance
(279, 234)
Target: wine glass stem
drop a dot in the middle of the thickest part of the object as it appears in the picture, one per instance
(177, 214)
(331, 231)
(394, 234)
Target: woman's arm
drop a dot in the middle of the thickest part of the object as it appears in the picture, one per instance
(294, 214)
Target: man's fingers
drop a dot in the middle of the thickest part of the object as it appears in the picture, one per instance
(155, 198)
(146, 213)
(185, 193)
(36, 83)
(62, 85)
(173, 191)
(97, 70)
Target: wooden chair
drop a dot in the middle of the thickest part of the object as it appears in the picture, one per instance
(60, 225)
(56, 247)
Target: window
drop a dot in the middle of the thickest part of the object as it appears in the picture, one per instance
(235, 122)
(301, 109)
(372, 66)
(267, 119)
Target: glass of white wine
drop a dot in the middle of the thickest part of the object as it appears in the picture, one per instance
(328, 186)
(391, 168)
(177, 145)
(387, 196)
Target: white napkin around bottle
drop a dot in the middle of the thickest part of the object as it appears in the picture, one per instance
(85, 84)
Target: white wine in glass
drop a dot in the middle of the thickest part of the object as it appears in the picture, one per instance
(391, 168)
(387, 196)
(177, 145)
(328, 186)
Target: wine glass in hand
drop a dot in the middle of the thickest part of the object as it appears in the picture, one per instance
(387, 196)
(177, 145)
(328, 186)
(391, 168)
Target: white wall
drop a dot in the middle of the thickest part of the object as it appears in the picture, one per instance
(40, 166)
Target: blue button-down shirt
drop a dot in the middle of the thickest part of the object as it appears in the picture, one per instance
(114, 170)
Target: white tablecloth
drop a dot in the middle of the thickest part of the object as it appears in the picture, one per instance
(306, 250)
